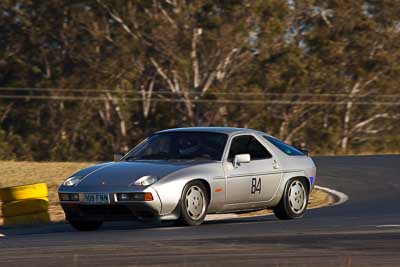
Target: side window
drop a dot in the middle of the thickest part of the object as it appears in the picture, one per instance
(247, 144)
(285, 148)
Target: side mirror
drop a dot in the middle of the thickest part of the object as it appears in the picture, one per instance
(118, 156)
(241, 158)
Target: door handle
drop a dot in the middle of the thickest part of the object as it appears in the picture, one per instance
(275, 164)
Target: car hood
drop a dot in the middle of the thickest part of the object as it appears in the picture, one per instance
(124, 173)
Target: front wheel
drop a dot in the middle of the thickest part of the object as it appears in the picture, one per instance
(85, 225)
(293, 203)
(193, 204)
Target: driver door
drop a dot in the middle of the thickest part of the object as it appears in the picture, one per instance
(249, 185)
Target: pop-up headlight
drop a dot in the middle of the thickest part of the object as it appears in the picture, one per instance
(72, 181)
(146, 180)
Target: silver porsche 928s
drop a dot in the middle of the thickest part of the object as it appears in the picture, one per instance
(183, 174)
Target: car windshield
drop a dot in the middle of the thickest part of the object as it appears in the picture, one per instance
(181, 146)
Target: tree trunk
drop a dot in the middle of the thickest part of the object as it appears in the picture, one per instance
(344, 143)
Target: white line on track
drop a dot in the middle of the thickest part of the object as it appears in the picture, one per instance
(388, 225)
(342, 197)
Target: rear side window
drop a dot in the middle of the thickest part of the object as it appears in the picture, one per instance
(285, 148)
(247, 144)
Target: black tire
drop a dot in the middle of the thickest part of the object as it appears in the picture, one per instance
(85, 225)
(186, 218)
(285, 210)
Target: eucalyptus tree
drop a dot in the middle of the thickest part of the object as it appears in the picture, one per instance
(356, 45)
(196, 47)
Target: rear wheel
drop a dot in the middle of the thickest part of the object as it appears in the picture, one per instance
(293, 203)
(193, 204)
(82, 225)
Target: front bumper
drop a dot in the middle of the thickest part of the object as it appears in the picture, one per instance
(115, 210)
(111, 212)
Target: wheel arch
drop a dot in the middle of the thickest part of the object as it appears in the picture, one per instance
(286, 208)
(184, 209)
(206, 185)
(173, 210)
(285, 179)
(304, 179)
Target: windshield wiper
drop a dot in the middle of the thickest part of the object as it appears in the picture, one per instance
(152, 156)
(132, 158)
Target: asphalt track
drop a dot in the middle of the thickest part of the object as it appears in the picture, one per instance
(364, 231)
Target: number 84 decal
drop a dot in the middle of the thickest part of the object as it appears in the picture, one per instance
(255, 185)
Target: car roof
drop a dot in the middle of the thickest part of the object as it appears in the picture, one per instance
(224, 130)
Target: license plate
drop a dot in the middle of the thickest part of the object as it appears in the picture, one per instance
(96, 198)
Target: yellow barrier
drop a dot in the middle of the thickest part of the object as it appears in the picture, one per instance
(21, 192)
(28, 218)
(25, 204)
